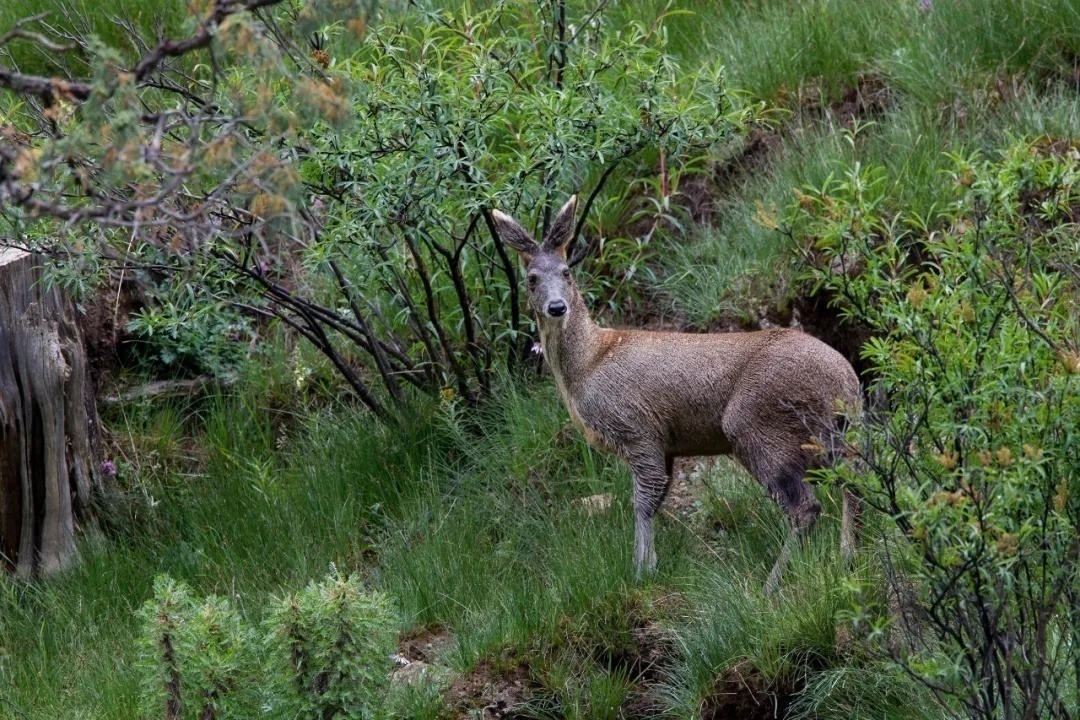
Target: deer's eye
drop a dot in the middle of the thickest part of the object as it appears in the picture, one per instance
(533, 279)
(566, 272)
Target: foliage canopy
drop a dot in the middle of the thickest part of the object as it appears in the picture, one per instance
(974, 453)
(342, 185)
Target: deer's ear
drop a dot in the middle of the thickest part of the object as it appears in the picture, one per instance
(513, 234)
(562, 229)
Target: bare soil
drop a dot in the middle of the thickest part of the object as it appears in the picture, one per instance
(103, 322)
(424, 644)
(743, 693)
(490, 692)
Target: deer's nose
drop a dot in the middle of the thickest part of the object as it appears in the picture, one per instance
(556, 308)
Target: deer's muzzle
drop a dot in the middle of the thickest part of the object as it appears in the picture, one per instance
(556, 308)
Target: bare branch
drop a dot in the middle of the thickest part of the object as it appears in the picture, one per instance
(18, 32)
(48, 89)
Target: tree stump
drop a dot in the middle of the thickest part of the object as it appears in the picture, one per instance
(49, 432)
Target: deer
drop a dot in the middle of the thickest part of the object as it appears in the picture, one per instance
(772, 399)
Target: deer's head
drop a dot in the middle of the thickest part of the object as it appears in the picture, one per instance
(547, 274)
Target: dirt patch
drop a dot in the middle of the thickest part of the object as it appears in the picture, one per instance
(490, 692)
(680, 502)
(506, 688)
(646, 669)
(424, 644)
(868, 98)
(743, 693)
(756, 154)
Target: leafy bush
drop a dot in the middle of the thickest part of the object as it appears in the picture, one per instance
(335, 641)
(975, 454)
(323, 652)
(342, 184)
(458, 113)
(192, 337)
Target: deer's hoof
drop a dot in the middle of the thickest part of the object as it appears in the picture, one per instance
(847, 555)
(645, 575)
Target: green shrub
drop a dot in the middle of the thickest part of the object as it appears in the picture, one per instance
(515, 108)
(190, 338)
(197, 657)
(336, 641)
(337, 176)
(975, 453)
(323, 652)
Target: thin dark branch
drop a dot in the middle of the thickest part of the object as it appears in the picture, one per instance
(585, 252)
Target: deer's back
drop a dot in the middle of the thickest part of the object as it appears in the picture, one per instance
(677, 388)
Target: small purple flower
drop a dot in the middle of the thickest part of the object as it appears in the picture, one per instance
(235, 337)
(108, 469)
(318, 205)
(537, 349)
(926, 5)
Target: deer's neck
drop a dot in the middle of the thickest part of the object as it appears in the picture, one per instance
(568, 344)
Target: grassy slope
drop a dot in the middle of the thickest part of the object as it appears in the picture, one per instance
(476, 533)
(483, 536)
(956, 78)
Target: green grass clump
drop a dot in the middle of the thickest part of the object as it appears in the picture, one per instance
(253, 522)
(471, 525)
(864, 692)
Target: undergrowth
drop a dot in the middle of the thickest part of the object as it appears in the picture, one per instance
(480, 535)
(487, 526)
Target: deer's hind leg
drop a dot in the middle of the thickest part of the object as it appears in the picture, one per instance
(849, 526)
(652, 477)
(780, 466)
(785, 482)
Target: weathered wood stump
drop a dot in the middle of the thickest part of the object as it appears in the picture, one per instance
(49, 434)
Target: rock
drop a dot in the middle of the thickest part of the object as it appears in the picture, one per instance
(594, 504)
(411, 672)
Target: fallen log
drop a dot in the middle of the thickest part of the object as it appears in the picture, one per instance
(164, 389)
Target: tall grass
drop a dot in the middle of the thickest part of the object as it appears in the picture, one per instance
(858, 692)
(470, 525)
(789, 52)
(254, 523)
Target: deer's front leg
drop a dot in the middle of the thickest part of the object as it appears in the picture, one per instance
(652, 475)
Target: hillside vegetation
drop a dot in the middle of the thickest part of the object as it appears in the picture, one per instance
(898, 178)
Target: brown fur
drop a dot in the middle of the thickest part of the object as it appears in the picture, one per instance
(769, 398)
